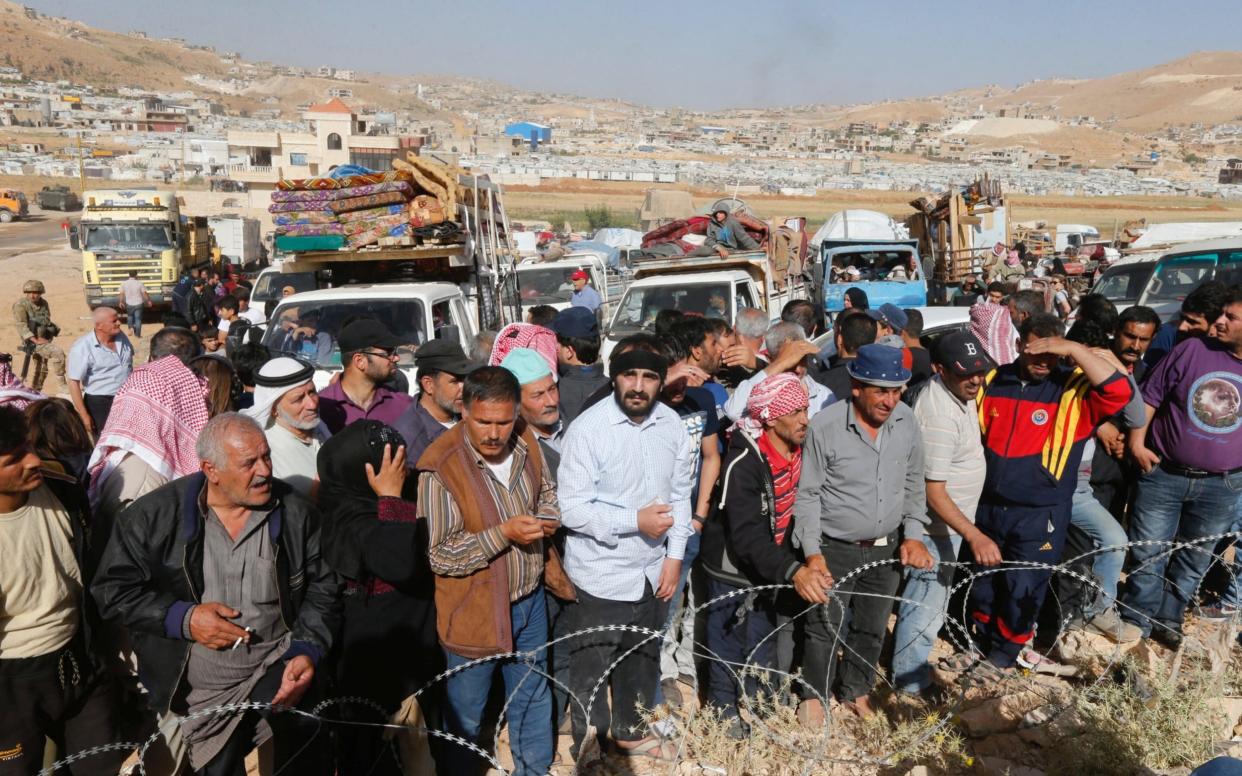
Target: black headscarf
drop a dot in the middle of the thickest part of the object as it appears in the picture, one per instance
(858, 298)
(347, 501)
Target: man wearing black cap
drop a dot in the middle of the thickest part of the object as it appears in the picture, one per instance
(954, 469)
(442, 366)
(861, 501)
(577, 333)
(369, 359)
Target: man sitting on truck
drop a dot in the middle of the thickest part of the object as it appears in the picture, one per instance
(725, 233)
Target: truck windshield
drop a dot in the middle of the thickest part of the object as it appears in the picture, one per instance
(120, 237)
(309, 330)
(1175, 279)
(545, 285)
(641, 305)
(1123, 284)
(874, 265)
(271, 285)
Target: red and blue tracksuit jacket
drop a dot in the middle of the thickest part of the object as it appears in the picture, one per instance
(1033, 436)
(1034, 433)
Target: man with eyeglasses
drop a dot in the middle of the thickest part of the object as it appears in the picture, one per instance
(369, 358)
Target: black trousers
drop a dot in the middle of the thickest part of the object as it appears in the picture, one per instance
(633, 682)
(298, 742)
(98, 407)
(49, 697)
(862, 637)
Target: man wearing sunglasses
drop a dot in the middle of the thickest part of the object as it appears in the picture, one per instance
(368, 355)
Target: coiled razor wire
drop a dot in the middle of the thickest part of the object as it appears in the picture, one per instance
(829, 738)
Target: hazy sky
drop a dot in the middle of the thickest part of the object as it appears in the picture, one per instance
(720, 53)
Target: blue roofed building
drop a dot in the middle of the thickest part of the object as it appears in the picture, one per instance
(530, 131)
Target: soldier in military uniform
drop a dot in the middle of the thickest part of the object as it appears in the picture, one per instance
(33, 319)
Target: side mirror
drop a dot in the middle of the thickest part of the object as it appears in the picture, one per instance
(74, 240)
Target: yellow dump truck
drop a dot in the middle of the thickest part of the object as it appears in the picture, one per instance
(137, 229)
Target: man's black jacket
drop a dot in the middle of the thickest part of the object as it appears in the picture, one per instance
(151, 574)
(739, 545)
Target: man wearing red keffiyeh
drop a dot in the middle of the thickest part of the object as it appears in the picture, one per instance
(744, 542)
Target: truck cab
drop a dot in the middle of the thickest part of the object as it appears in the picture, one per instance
(547, 282)
(136, 229)
(708, 286)
(307, 325)
(13, 205)
(1179, 272)
(889, 272)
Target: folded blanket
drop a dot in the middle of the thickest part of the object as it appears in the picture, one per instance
(310, 230)
(373, 235)
(359, 227)
(369, 213)
(331, 195)
(367, 202)
(304, 217)
(326, 183)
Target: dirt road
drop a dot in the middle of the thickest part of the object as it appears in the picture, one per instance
(38, 232)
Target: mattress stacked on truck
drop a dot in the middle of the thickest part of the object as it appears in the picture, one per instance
(357, 210)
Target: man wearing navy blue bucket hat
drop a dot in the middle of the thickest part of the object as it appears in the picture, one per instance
(861, 507)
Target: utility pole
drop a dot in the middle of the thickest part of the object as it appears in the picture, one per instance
(81, 166)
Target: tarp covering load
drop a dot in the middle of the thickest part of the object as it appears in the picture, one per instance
(1160, 235)
(354, 207)
(860, 225)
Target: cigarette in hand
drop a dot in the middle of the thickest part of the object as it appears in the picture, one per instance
(237, 643)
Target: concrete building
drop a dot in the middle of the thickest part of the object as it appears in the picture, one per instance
(336, 136)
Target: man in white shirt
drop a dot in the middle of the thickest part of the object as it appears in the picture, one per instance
(286, 405)
(954, 470)
(253, 314)
(624, 486)
(789, 350)
(133, 298)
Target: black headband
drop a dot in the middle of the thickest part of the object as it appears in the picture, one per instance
(281, 381)
(638, 359)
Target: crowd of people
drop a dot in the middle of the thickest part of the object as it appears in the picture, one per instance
(212, 527)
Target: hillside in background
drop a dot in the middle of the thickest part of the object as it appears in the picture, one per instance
(1204, 88)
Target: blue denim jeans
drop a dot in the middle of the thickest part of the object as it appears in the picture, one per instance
(1233, 592)
(1091, 517)
(921, 613)
(134, 314)
(530, 702)
(1172, 507)
(676, 656)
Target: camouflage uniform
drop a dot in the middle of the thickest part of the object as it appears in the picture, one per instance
(33, 319)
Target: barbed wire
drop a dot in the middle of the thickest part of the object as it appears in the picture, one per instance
(830, 737)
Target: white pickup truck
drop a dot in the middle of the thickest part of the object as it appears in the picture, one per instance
(547, 282)
(709, 286)
(307, 325)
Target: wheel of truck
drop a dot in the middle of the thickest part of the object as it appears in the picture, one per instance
(5, 216)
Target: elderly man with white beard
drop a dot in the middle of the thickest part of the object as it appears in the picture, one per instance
(286, 405)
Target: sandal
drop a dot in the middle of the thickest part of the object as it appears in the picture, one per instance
(986, 673)
(811, 714)
(652, 748)
(959, 662)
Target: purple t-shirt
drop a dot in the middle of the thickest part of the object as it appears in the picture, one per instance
(337, 410)
(1197, 390)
